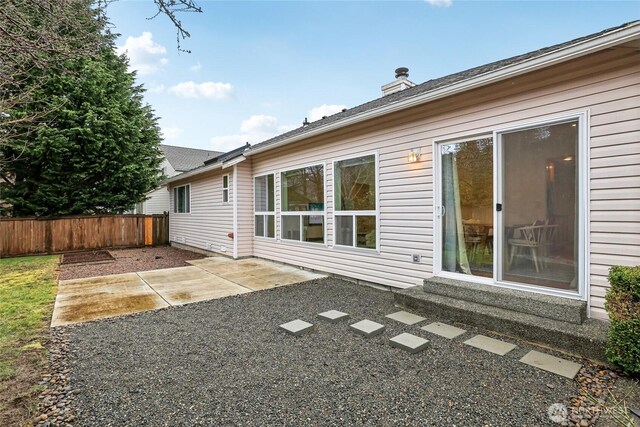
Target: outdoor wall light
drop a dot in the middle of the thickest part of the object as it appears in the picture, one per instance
(414, 156)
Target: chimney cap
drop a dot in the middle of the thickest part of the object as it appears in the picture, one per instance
(402, 72)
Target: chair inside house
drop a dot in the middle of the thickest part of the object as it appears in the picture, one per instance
(475, 238)
(536, 238)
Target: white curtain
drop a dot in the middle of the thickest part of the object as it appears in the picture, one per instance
(454, 253)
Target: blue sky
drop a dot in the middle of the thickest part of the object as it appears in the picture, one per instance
(257, 69)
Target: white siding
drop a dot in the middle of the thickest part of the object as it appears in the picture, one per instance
(210, 221)
(157, 203)
(245, 209)
(607, 84)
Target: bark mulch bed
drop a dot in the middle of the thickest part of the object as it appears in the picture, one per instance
(130, 261)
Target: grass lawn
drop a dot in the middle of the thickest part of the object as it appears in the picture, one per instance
(27, 293)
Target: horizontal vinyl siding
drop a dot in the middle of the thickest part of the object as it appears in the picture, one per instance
(158, 202)
(245, 209)
(210, 221)
(607, 84)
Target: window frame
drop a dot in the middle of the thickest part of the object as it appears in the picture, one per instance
(355, 213)
(225, 190)
(301, 214)
(175, 200)
(266, 213)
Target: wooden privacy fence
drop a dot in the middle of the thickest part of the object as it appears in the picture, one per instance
(26, 236)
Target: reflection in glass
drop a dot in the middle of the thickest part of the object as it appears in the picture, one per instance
(344, 230)
(303, 189)
(303, 192)
(366, 232)
(291, 227)
(467, 207)
(355, 184)
(540, 216)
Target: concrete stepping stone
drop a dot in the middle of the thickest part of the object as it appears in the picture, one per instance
(556, 365)
(333, 316)
(367, 328)
(296, 327)
(408, 342)
(443, 330)
(405, 317)
(490, 344)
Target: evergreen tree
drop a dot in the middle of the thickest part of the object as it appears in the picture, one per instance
(96, 149)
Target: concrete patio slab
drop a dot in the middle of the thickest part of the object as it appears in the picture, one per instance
(82, 300)
(185, 285)
(296, 327)
(405, 317)
(255, 274)
(333, 316)
(443, 330)
(556, 365)
(491, 345)
(92, 298)
(409, 342)
(367, 328)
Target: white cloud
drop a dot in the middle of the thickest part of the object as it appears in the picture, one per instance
(324, 110)
(255, 129)
(145, 55)
(440, 3)
(171, 132)
(211, 90)
(197, 67)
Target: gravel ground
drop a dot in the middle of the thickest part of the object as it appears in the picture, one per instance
(130, 261)
(224, 362)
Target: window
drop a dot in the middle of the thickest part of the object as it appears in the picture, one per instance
(264, 206)
(182, 199)
(302, 199)
(355, 196)
(225, 188)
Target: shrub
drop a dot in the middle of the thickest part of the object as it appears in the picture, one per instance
(623, 306)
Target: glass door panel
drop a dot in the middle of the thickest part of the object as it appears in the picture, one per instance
(467, 207)
(539, 181)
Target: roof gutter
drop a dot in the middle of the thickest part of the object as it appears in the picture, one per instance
(580, 49)
(234, 161)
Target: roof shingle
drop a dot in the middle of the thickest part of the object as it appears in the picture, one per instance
(183, 159)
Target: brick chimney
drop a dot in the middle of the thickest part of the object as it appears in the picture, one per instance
(401, 82)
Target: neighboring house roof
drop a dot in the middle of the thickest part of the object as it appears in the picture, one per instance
(445, 86)
(184, 159)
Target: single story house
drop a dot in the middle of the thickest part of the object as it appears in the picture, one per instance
(176, 160)
(522, 174)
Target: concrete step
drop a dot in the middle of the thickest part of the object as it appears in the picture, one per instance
(550, 307)
(587, 339)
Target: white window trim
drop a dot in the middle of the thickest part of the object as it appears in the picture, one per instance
(437, 207)
(375, 212)
(582, 116)
(322, 213)
(265, 213)
(175, 195)
(226, 189)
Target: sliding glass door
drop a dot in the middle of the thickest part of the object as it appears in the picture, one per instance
(467, 207)
(539, 194)
(518, 221)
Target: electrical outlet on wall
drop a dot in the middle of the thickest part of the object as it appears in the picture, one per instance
(416, 258)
